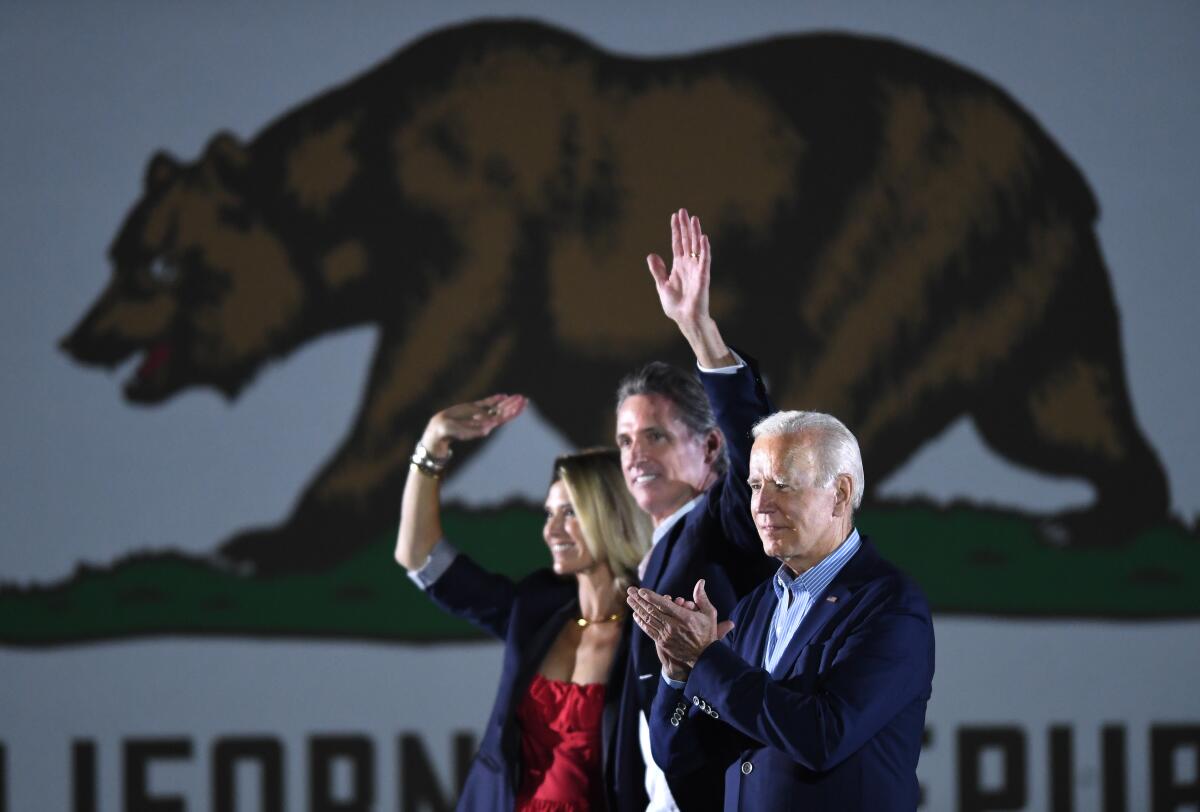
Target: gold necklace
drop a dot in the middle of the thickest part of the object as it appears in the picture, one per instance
(583, 622)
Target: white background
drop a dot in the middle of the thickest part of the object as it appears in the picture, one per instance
(1027, 674)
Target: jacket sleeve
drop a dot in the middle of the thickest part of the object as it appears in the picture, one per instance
(470, 592)
(686, 736)
(879, 667)
(739, 401)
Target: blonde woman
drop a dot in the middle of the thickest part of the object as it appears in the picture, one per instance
(566, 630)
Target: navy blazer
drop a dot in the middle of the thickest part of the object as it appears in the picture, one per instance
(717, 541)
(836, 726)
(527, 616)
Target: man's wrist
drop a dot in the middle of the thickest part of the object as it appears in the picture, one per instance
(676, 677)
(692, 663)
(737, 366)
(706, 343)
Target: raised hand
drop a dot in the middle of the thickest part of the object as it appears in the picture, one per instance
(470, 421)
(683, 289)
(420, 522)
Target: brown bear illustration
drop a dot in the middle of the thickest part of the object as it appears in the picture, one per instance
(896, 240)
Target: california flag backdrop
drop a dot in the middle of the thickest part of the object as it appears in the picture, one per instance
(249, 251)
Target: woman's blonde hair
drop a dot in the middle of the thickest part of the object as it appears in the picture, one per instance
(615, 530)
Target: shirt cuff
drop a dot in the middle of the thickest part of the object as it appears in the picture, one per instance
(730, 370)
(440, 558)
(674, 683)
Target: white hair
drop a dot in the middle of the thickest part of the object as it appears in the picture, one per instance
(837, 448)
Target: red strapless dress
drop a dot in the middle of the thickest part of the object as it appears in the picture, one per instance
(560, 747)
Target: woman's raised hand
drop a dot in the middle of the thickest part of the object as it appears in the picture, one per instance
(469, 421)
(420, 523)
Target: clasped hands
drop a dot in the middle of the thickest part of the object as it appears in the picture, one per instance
(681, 629)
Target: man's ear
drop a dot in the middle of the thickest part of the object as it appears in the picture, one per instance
(843, 495)
(712, 446)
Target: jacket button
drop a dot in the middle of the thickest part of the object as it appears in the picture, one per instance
(747, 768)
(695, 700)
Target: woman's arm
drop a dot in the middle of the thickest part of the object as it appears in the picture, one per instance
(420, 518)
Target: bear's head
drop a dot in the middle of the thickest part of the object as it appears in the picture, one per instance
(202, 288)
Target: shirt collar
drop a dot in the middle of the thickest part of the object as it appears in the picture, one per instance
(670, 521)
(817, 578)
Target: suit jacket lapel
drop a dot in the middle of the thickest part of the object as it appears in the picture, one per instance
(658, 556)
(828, 604)
(617, 675)
(818, 615)
(642, 657)
(539, 644)
(752, 633)
(533, 650)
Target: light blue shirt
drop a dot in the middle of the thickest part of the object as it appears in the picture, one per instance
(439, 560)
(798, 593)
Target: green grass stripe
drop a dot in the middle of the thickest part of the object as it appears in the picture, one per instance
(968, 560)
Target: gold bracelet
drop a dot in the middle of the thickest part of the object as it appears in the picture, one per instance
(430, 472)
(421, 456)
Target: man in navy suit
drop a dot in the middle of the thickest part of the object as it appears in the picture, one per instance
(812, 696)
(685, 449)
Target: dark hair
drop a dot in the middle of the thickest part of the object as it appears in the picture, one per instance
(684, 391)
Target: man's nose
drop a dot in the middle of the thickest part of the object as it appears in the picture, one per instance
(637, 452)
(764, 501)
